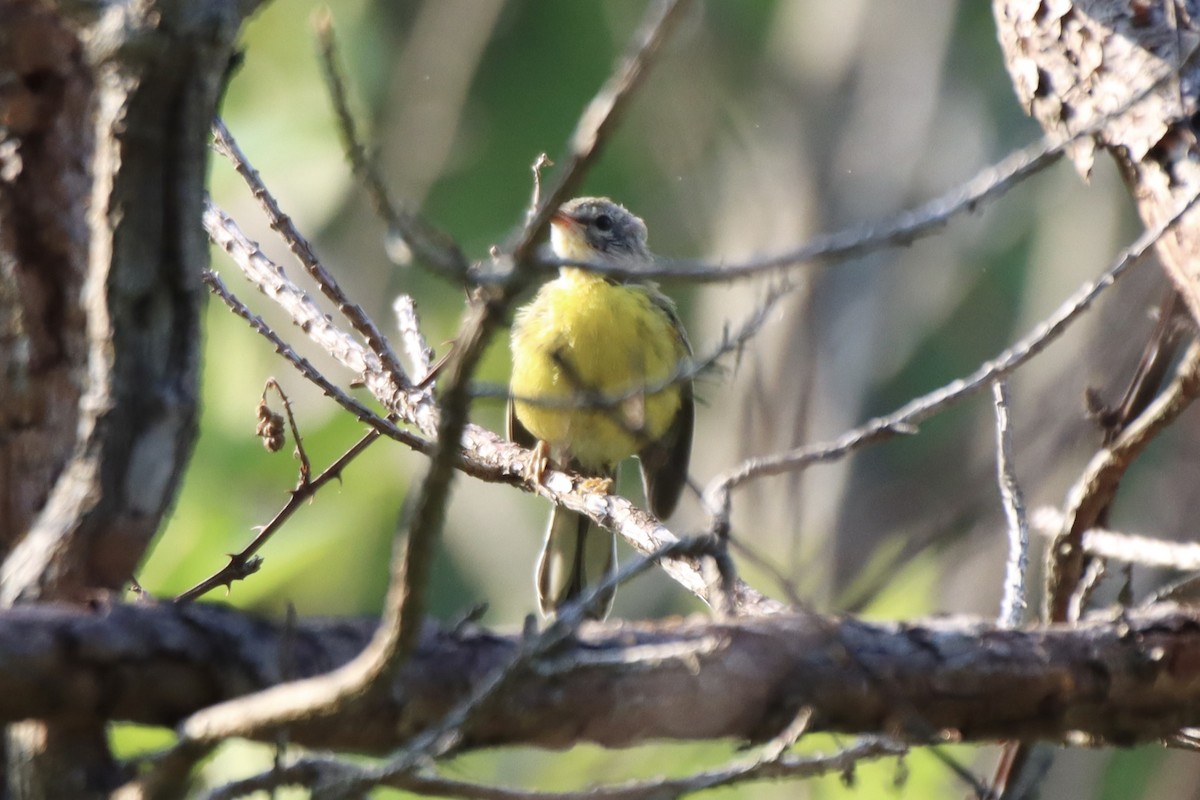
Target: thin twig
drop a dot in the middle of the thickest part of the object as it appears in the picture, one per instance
(1130, 548)
(1014, 602)
(361, 412)
(271, 279)
(307, 772)
(535, 199)
(484, 455)
(978, 786)
(420, 354)
(431, 246)
(244, 562)
(445, 736)
(902, 229)
(1097, 486)
(785, 584)
(305, 464)
(904, 419)
(396, 636)
(988, 184)
(732, 341)
(601, 117)
(405, 604)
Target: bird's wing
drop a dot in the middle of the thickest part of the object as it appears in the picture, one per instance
(665, 460)
(516, 432)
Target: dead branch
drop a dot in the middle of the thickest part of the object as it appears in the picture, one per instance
(1098, 485)
(1135, 679)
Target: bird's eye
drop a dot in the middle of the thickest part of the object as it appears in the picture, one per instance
(603, 223)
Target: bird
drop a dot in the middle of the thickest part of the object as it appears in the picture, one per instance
(600, 372)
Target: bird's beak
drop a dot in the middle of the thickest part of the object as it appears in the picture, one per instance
(561, 220)
(568, 237)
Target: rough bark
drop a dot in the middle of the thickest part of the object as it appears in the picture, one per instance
(104, 116)
(115, 277)
(1114, 681)
(1073, 62)
(44, 106)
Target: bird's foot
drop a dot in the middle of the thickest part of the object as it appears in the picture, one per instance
(600, 485)
(539, 462)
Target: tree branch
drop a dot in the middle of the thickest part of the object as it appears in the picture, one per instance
(1134, 679)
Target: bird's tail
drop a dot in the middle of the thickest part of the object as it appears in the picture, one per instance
(577, 555)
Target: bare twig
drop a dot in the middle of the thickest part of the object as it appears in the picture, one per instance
(305, 464)
(397, 634)
(535, 200)
(443, 737)
(1154, 366)
(431, 246)
(340, 342)
(307, 772)
(785, 584)
(1131, 548)
(271, 279)
(245, 562)
(327, 695)
(904, 419)
(978, 786)
(600, 118)
(418, 350)
(1014, 602)
(732, 341)
(1095, 489)
(990, 183)
(484, 455)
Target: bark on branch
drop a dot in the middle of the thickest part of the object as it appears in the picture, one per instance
(1122, 681)
(1074, 62)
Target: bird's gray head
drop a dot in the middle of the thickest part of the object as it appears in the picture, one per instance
(598, 225)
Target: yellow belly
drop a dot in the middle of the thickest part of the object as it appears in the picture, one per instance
(583, 337)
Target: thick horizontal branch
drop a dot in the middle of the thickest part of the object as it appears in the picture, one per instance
(621, 684)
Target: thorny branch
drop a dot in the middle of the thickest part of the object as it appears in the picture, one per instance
(300, 247)
(246, 561)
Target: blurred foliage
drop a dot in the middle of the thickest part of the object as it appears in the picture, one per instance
(763, 124)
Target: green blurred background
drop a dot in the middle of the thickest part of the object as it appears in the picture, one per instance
(762, 124)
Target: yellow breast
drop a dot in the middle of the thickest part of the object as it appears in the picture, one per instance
(583, 338)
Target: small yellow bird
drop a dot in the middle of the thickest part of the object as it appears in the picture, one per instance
(600, 374)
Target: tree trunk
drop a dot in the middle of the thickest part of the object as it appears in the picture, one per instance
(104, 116)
